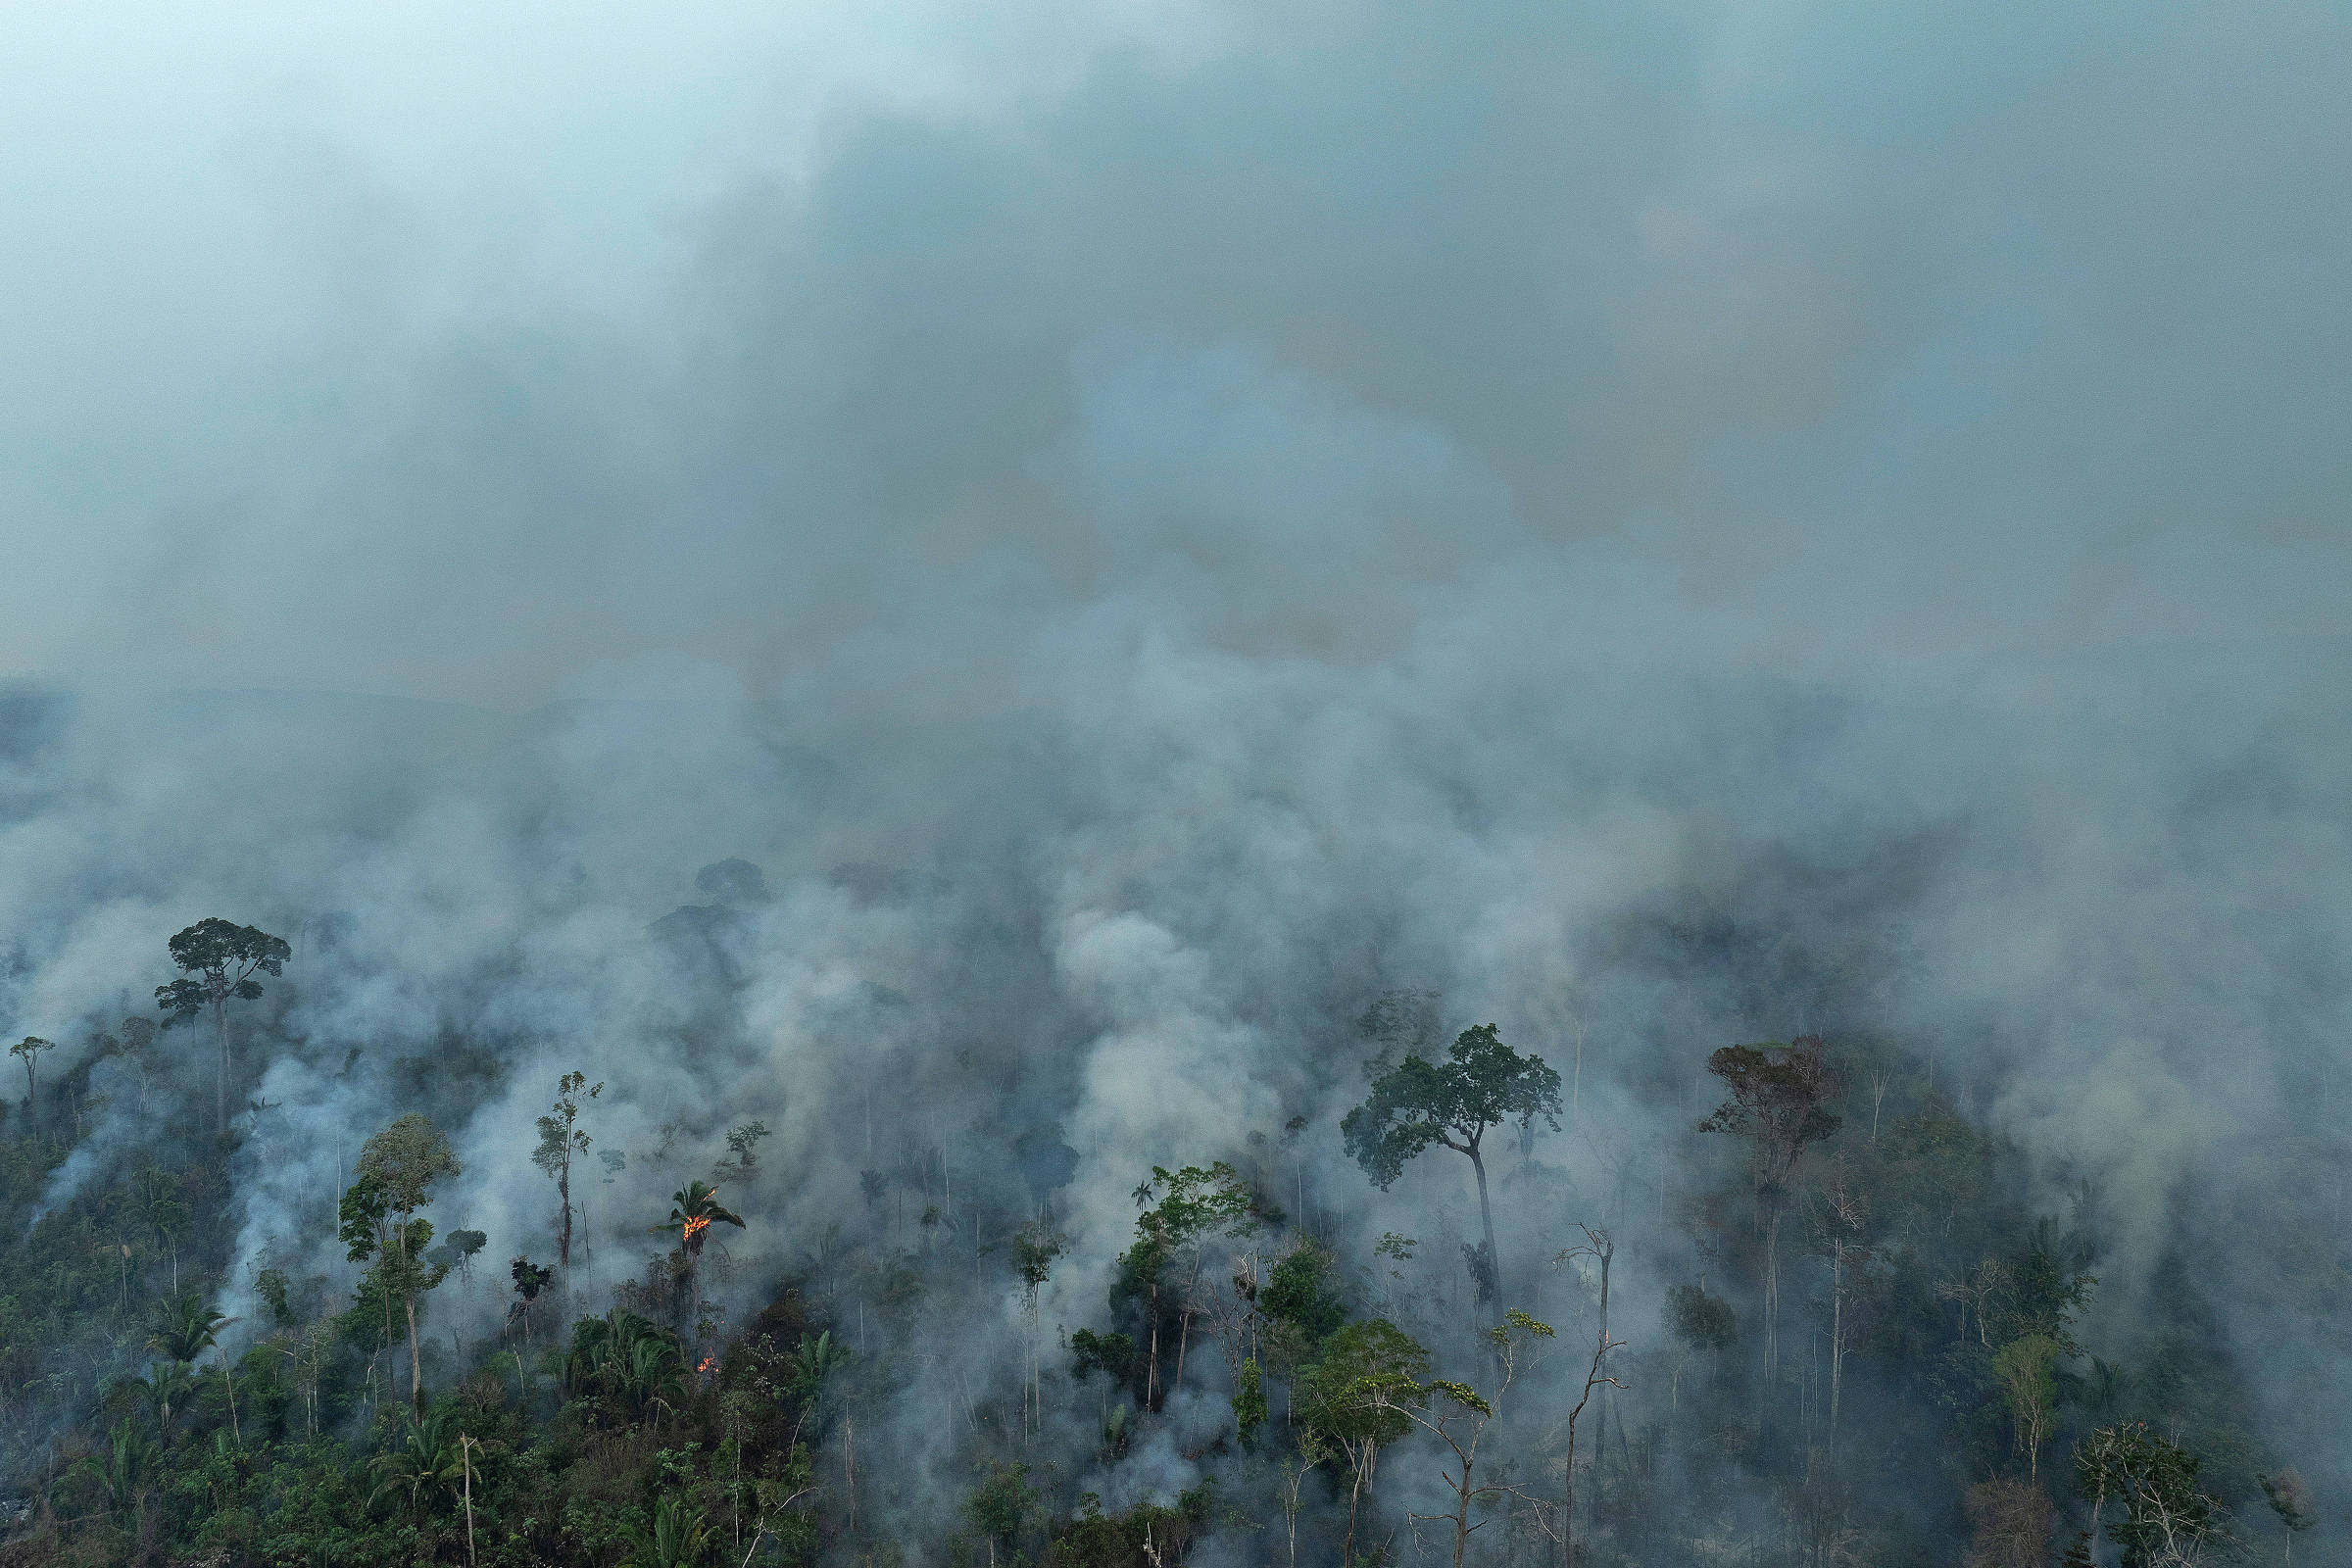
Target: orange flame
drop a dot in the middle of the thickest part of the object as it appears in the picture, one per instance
(695, 1227)
(708, 1361)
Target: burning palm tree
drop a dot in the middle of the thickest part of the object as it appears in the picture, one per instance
(695, 1209)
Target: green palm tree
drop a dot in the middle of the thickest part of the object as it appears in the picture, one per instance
(428, 1460)
(678, 1539)
(585, 1365)
(186, 1327)
(164, 1216)
(165, 1387)
(122, 1471)
(187, 1330)
(815, 1359)
(694, 1209)
(656, 1374)
(632, 1364)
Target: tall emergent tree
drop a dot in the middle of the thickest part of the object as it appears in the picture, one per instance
(1418, 1103)
(1780, 1102)
(403, 1163)
(29, 1048)
(220, 959)
(560, 1138)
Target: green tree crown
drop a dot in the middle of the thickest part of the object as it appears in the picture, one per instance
(1418, 1103)
(1370, 1372)
(405, 1160)
(221, 958)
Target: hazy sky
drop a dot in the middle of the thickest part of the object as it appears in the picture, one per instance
(495, 351)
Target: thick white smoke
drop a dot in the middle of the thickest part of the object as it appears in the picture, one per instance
(1152, 525)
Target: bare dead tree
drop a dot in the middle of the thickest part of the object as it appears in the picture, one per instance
(1517, 1332)
(1977, 1290)
(1843, 1213)
(1595, 1377)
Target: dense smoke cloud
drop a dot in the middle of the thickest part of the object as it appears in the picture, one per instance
(1152, 526)
(1871, 335)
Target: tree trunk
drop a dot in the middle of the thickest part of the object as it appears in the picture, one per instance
(1607, 1255)
(1152, 1375)
(1461, 1512)
(220, 1076)
(416, 1371)
(1183, 1340)
(1347, 1549)
(1568, 1501)
(1837, 1337)
(848, 1468)
(1486, 1225)
(229, 1384)
(408, 1301)
(564, 1193)
(1575, 1092)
